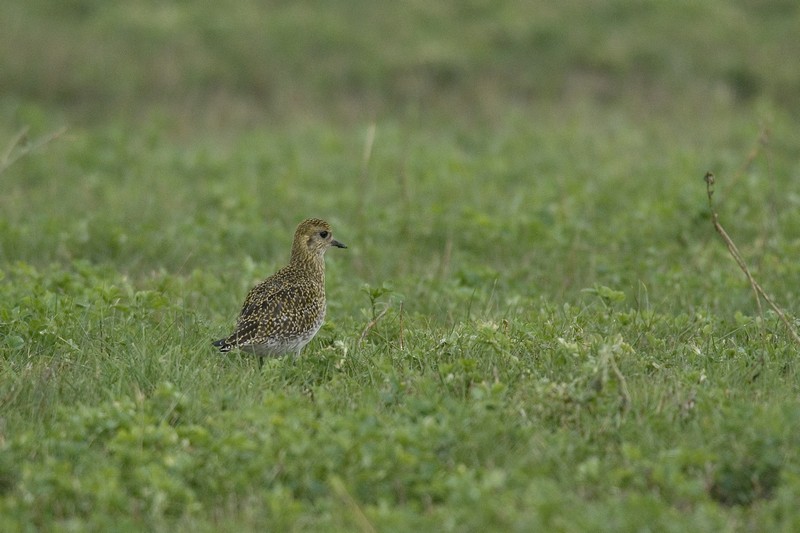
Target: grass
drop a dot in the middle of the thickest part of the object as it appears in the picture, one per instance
(535, 325)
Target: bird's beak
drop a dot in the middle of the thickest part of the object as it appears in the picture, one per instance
(338, 244)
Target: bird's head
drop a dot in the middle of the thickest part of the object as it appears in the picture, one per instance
(313, 237)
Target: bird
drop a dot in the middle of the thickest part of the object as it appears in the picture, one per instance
(282, 314)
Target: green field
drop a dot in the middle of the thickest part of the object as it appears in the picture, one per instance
(535, 326)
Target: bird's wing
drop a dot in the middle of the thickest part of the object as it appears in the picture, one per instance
(269, 313)
(257, 320)
(264, 291)
(244, 335)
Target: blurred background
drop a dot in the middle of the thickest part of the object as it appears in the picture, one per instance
(547, 145)
(231, 64)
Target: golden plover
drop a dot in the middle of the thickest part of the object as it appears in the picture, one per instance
(283, 313)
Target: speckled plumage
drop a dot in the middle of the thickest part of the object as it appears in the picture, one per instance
(283, 313)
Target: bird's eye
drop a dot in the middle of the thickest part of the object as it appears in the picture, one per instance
(324, 234)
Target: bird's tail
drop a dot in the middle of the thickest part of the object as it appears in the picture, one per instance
(223, 345)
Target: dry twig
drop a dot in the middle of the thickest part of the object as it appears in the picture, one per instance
(361, 519)
(371, 324)
(625, 396)
(734, 251)
(402, 344)
(24, 148)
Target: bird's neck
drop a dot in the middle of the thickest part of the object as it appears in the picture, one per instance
(312, 263)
